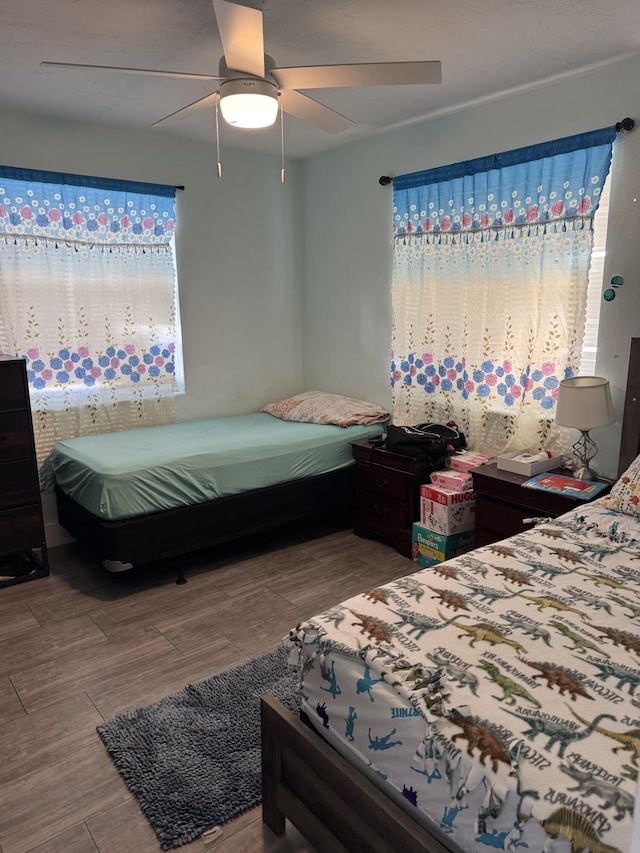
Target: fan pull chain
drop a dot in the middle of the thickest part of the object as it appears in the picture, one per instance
(219, 164)
(282, 175)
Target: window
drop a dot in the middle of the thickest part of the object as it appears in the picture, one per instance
(489, 292)
(594, 288)
(88, 297)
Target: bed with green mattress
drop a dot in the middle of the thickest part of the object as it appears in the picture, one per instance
(146, 494)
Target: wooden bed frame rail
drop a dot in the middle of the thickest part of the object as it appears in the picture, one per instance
(630, 439)
(335, 807)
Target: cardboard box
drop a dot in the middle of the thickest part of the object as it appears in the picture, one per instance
(511, 462)
(467, 460)
(459, 481)
(447, 511)
(429, 548)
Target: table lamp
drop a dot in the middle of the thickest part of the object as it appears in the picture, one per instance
(584, 403)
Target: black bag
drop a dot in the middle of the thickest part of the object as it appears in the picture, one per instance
(430, 443)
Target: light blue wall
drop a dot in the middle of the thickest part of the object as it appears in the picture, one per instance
(347, 221)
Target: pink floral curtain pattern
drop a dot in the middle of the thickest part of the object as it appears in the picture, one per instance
(88, 299)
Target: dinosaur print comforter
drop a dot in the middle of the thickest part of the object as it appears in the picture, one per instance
(498, 693)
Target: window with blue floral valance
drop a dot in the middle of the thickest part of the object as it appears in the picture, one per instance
(491, 262)
(88, 298)
(75, 207)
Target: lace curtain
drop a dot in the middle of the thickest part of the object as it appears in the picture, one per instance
(87, 298)
(491, 264)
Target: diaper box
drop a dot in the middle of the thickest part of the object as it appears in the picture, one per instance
(429, 548)
(459, 481)
(467, 460)
(447, 511)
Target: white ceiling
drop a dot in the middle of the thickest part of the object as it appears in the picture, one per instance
(486, 47)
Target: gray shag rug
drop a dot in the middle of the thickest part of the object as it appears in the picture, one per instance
(193, 760)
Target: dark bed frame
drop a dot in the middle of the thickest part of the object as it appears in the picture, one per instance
(171, 534)
(335, 806)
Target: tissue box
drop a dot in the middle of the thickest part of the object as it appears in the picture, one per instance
(447, 511)
(467, 460)
(429, 548)
(510, 462)
(459, 481)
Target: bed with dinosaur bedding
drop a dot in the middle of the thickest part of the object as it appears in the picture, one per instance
(140, 495)
(491, 701)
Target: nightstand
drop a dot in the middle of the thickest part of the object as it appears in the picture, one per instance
(502, 504)
(387, 494)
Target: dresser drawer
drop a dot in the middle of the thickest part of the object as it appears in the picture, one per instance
(498, 520)
(381, 512)
(13, 392)
(15, 436)
(383, 481)
(18, 483)
(21, 529)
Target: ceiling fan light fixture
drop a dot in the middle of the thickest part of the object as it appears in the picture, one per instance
(248, 102)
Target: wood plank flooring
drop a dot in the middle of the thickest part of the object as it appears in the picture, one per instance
(82, 645)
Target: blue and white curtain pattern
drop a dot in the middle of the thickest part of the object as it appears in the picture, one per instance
(491, 263)
(87, 298)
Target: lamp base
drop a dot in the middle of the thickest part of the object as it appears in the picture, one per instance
(584, 450)
(583, 472)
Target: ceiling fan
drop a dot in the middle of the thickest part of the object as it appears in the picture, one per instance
(252, 89)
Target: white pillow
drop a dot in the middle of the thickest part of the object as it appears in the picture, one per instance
(319, 407)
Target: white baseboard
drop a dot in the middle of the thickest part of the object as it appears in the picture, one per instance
(53, 532)
(56, 535)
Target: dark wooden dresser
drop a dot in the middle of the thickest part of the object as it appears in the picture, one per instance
(502, 505)
(387, 494)
(23, 550)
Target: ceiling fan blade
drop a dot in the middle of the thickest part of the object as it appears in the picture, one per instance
(242, 37)
(305, 108)
(364, 74)
(195, 107)
(156, 73)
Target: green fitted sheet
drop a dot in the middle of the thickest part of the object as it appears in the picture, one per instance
(126, 474)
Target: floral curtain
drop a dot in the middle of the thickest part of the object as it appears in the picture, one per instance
(87, 298)
(491, 263)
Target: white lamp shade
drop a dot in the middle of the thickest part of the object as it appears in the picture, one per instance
(249, 103)
(584, 402)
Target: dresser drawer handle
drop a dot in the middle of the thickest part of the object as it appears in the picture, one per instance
(381, 483)
(380, 510)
